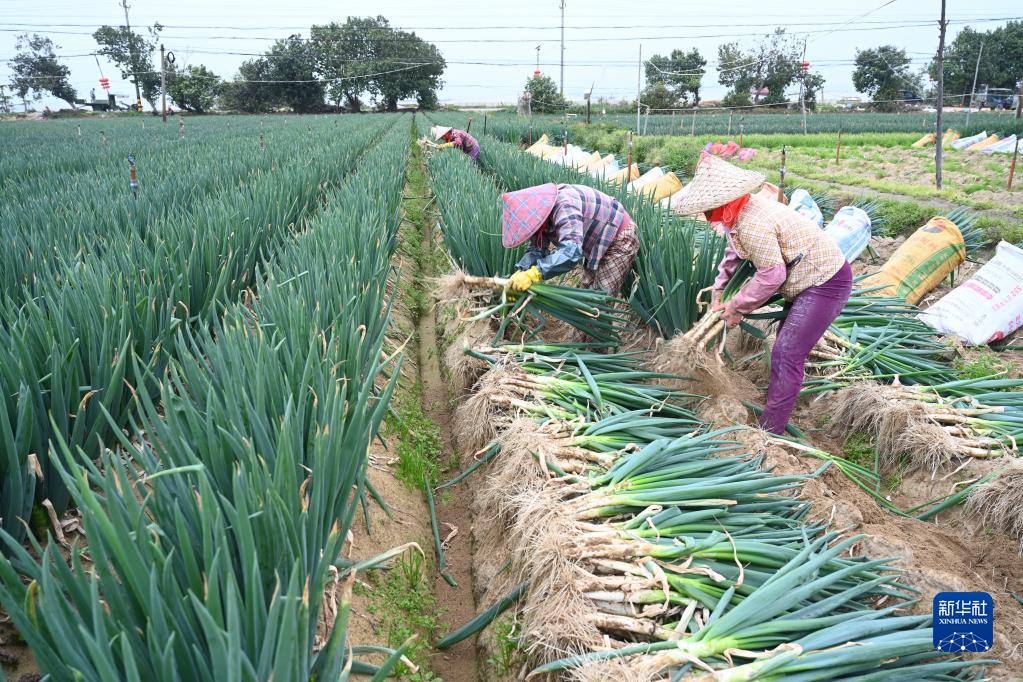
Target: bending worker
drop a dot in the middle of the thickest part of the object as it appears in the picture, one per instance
(584, 225)
(457, 138)
(793, 257)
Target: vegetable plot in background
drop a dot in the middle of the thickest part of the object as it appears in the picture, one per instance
(210, 549)
(988, 306)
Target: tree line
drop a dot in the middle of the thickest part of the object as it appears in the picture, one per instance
(361, 62)
(764, 73)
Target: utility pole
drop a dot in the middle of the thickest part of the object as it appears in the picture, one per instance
(803, 71)
(1019, 99)
(562, 48)
(131, 55)
(941, 97)
(163, 82)
(639, 75)
(538, 59)
(973, 90)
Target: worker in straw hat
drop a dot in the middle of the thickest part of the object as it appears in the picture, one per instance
(584, 226)
(793, 257)
(459, 139)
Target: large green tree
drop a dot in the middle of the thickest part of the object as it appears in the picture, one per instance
(344, 58)
(283, 78)
(35, 70)
(772, 63)
(881, 73)
(407, 66)
(544, 96)
(132, 53)
(680, 74)
(194, 88)
(365, 57)
(1001, 65)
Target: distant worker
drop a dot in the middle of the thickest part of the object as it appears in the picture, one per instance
(457, 138)
(584, 225)
(793, 257)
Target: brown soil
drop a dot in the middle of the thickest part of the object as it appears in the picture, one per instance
(16, 659)
(457, 606)
(409, 522)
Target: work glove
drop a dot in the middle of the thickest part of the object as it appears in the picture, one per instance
(446, 145)
(732, 317)
(523, 279)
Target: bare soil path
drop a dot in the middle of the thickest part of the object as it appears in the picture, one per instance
(456, 604)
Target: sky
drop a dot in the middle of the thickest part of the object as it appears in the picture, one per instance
(491, 47)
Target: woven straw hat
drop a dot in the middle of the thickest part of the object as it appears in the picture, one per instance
(716, 183)
(525, 211)
(439, 132)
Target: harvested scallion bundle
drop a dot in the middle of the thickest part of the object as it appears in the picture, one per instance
(590, 311)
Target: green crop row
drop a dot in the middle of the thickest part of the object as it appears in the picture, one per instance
(218, 518)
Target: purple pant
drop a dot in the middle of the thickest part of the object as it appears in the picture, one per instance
(809, 317)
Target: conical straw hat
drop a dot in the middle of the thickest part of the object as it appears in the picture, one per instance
(439, 131)
(716, 183)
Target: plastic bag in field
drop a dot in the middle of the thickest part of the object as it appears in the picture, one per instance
(747, 153)
(1006, 146)
(964, 142)
(802, 203)
(850, 229)
(988, 306)
(919, 265)
(652, 175)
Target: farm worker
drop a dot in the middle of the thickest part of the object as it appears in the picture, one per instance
(792, 256)
(584, 225)
(457, 138)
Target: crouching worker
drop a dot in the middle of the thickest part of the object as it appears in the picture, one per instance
(793, 257)
(583, 225)
(458, 139)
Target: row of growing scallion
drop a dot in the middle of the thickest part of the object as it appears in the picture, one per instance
(70, 339)
(217, 499)
(650, 547)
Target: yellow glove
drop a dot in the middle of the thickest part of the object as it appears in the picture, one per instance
(446, 145)
(523, 279)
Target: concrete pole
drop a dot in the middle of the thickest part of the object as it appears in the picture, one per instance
(973, 90)
(941, 98)
(562, 48)
(639, 76)
(163, 82)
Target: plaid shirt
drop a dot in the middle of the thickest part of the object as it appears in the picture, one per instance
(585, 217)
(770, 234)
(466, 142)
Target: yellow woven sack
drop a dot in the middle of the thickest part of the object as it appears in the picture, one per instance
(990, 140)
(919, 265)
(625, 175)
(537, 148)
(925, 141)
(949, 136)
(663, 187)
(584, 163)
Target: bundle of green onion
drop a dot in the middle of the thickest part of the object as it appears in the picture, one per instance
(590, 311)
(939, 424)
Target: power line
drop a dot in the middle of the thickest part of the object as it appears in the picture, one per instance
(532, 40)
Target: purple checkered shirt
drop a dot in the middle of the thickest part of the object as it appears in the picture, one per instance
(583, 216)
(466, 142)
